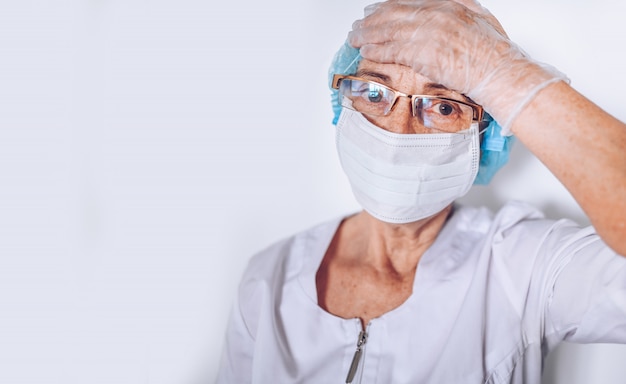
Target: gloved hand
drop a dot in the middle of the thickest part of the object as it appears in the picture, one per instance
(459, 44)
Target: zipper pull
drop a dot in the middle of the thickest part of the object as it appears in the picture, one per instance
(357, 356)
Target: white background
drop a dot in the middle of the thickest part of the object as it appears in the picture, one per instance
(149, 147)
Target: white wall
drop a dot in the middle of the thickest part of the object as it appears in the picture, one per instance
(149, 147)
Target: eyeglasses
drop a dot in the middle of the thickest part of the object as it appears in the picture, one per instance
(434, 112)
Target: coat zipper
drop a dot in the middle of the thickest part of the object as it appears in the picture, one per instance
(360, 344)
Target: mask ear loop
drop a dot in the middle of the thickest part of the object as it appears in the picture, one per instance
(483, 126)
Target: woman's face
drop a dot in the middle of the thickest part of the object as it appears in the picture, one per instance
(402, 79)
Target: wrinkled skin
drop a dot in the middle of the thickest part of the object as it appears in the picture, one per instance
(458, 44)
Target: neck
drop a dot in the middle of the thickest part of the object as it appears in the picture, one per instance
(398, 247)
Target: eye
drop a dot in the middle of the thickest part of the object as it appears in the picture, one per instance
(446, 108)
(445, 115)
(375, 95)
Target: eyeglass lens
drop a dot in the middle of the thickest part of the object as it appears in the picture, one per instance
(435, 113)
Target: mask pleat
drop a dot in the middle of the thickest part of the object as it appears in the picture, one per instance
(405, 177)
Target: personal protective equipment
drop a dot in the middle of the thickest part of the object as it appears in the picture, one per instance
(495, 148)
(439, 38)
(491, 297)
(434, 113)
(494, 151)
(401, 178)
(345, 62)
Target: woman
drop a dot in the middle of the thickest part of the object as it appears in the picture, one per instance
(416, 289)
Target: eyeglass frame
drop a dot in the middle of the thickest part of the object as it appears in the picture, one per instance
(477, 110)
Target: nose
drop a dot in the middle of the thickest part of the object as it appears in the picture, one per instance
(401, 119)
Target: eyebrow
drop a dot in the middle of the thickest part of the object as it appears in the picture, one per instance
(437, 86)
(377, 75)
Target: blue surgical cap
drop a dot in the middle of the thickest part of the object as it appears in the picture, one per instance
(494, 147)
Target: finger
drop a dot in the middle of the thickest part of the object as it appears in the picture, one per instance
(380, 34)
(477, 8)
(385, 24)
(377, 53)
(389, 53)
(388, 11)
(473, 5)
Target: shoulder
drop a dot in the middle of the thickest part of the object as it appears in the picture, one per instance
(519, 230)
(513, 221)
(482, 219)
(521, 245)
(521, 226)
(286, 255)
(271, 269)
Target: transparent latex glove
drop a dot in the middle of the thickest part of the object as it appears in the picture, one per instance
(459, 44)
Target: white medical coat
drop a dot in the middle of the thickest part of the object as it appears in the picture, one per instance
(492, 296)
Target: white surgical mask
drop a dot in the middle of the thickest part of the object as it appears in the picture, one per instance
(401, 178)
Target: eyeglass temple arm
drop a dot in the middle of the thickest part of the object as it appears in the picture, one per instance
(336, 80)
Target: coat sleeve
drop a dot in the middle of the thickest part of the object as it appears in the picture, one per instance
(586, 291)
